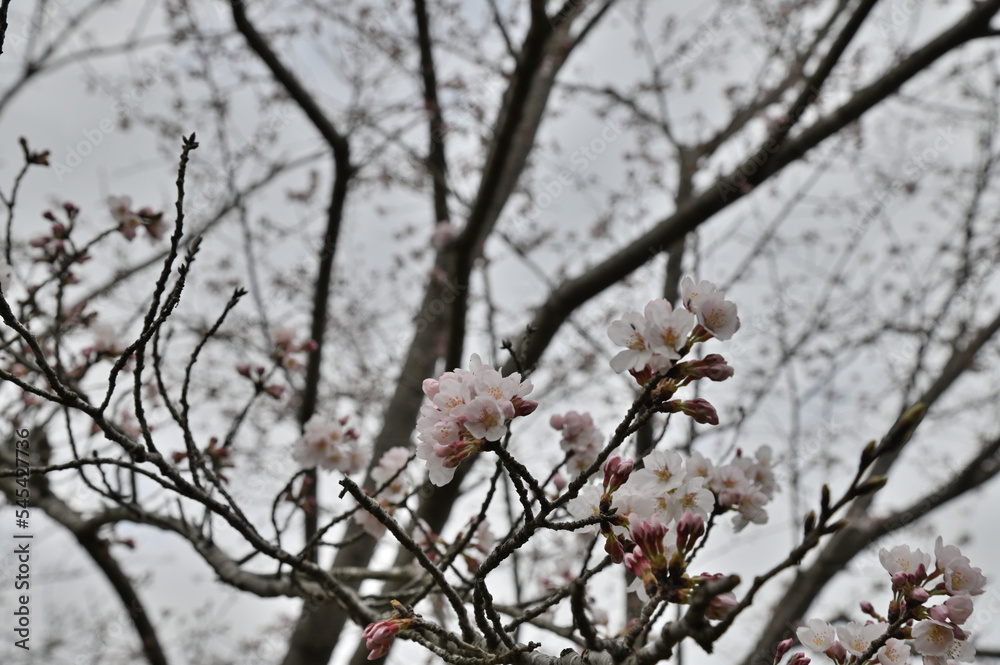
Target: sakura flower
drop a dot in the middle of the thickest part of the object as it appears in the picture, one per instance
(120, 207)
(961, 579)
(901, 559)
(327, 445)
(486, 418)
(579, 437)
(943, 554)
(630, 332)
(464, 409)
(729, 483)
(586, 504)
(698, 465)
(894, 652)
(932, 638)
(818, 635)
(857, 638)
(392, 465)
(663, 471)
(956, 609)
(667, 331)
(716, 314)
(442, 460)
(693, 496)
(750, 509)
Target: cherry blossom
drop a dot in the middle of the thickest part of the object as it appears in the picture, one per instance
(894, 652)
(901, 559)
(580, 438)
(857, 638)
(715, 314)
(630, 332)
(662, 471)
(817, 635)
(667, 332)
(932, 638)
(326, 444)
(466, 408)
(961, 579)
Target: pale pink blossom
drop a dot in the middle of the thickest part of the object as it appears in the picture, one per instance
(695, 497)
(667, 331)
(961, 579)
(894, 652)
(485, 418)
(392, 465)
(901, 559)
(630, 332)
(327, 445)
(817, 635)
(714, 312)
(857, 638)
(943, 554)
(663, 471)
(932, 638)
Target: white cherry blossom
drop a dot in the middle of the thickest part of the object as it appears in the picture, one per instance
(816, 635)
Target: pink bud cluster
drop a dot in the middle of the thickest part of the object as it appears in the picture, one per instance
(328, 445)
(466, 408)
(378, 636)
(936, 632)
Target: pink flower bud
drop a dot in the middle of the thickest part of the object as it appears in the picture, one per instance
(713, 367)
(690, 528)
(614, 548)
(243, 369)
(701, 410)
(275, 391)
(432, 387)
(721, 605)
(869, 609)
(899, 580)
(783, 647)
(616, 473)
(919, 595)
(524, 407)
(799, 659)
(556, 421)
(559, 481)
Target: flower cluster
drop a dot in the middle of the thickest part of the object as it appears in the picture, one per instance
(129, 220)
(392, 485)
(283, 338)
(667, 486)
(580, 439)
(656, 339)
(466, 408)
(936, 632)
(327, 445)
